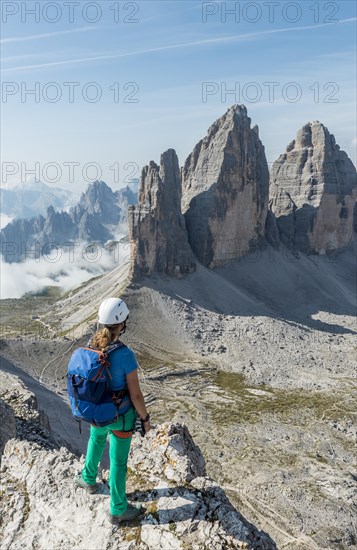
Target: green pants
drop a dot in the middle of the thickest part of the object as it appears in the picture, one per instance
(118, 456)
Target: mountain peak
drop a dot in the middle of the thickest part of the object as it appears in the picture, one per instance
(157, 229)
(50, 211)
(225, 177)
(313, 191)
(237, 109)
(99, 184)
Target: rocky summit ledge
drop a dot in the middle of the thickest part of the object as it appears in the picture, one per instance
(41, 508)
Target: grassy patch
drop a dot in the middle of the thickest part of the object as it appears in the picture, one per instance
(22, 317)
(172, 526)
(139, 481)
(282, 403)
(49, 292)
(134, 535)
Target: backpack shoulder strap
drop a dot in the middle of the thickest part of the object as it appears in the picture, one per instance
(115, 346)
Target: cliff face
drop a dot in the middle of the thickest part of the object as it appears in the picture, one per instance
(226, 204)
(313, 189)
(225, 190)
(157, 230)
(41, 507)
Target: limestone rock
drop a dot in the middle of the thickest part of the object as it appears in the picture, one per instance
(168, 451)
(157, 230)
(41, 507)
(271, 230)
(25, 420)
(225, 183)
(8, 425)
(313, 189)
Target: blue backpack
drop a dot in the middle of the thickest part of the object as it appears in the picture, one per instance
(89, 395)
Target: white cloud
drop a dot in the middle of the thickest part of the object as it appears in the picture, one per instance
(43, 35)
(202, 42)
(4, 220)
(66, 268)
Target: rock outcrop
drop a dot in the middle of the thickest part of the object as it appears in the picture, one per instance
(313, 189)
(225, 186)
(157, 230)
(8, 430)
(41, 507)
(23, 419)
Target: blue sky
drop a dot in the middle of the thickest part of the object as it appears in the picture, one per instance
(161, 72)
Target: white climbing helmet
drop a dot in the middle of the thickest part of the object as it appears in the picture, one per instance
(112, 311)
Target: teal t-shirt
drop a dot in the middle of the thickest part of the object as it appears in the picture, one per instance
(122, 362)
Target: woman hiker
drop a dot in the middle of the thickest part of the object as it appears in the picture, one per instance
(113, 314)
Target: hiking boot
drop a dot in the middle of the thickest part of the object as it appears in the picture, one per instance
(92, 489)
(132, 512)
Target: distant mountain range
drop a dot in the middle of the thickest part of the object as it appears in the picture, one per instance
(30, 199)
(97, 216)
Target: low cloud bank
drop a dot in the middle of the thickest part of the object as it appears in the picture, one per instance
(4, 220)
(66, 268)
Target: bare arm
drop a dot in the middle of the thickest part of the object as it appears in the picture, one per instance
(136, 396)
